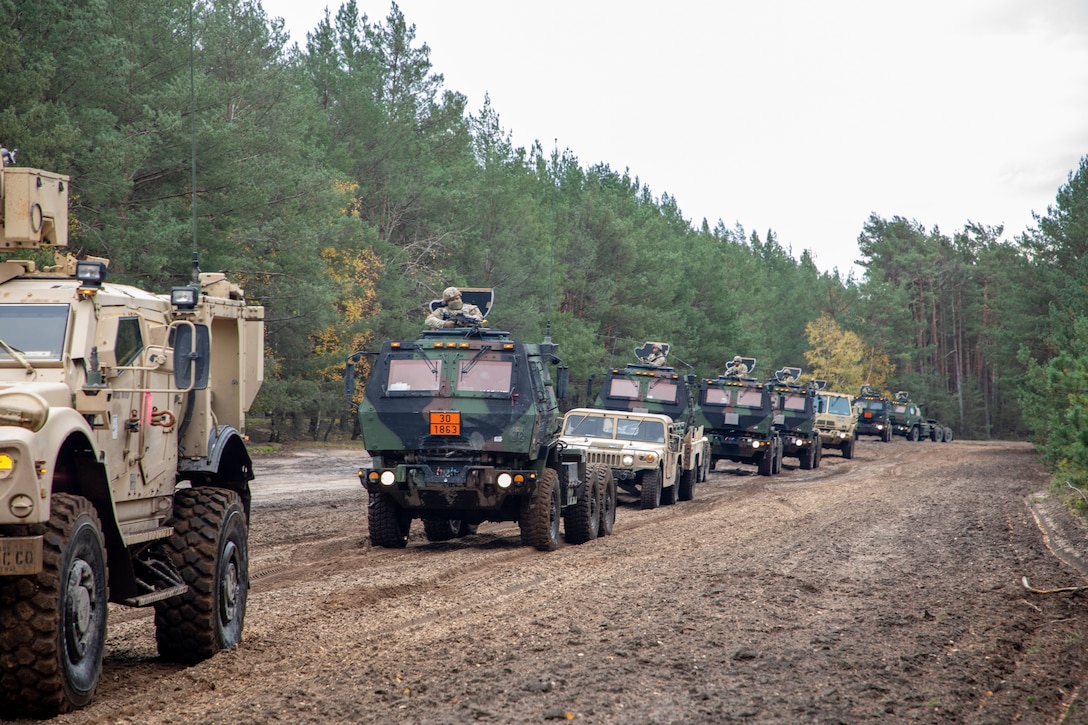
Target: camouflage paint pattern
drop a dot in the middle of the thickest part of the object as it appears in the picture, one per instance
(449, 412)
(873, 410)
(795, 416)
(644, 388)
(738, 417)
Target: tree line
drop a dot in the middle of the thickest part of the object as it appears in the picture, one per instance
(344, 186)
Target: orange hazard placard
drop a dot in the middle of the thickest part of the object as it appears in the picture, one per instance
(446, 423)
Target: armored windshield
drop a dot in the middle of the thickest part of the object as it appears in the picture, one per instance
(793, 402)
(899, 409)
(837, 406)
(663, 390)
(623, 388)
(36, 331)
(873, 404)
(414, 375)
(485, 376)
(717, 396)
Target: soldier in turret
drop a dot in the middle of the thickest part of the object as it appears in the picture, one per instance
(453, 312)
(736, 368)
(656, 357)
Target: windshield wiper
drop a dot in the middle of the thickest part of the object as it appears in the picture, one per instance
(475, 358)
(17, 355)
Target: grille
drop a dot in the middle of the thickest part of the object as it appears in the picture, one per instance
(612, 460)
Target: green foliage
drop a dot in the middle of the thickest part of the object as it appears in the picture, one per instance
(344, 186)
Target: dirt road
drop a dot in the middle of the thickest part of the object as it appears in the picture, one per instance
(884, 588)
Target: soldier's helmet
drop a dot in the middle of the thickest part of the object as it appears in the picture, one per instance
(450, 293)
(736, 358)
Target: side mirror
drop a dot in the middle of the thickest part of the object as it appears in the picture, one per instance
(562, 381)
(192, 356)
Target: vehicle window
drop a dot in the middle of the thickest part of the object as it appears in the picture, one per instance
(874, 404)
(35, 331)
(623, 388)
(651, 431)
(717, 396)
(793, 402)
(750, 398)
(592, 426)
(130, 341)
(487, 376)
(662, 390)
(838, 406)
(899, 409)
(408, 375)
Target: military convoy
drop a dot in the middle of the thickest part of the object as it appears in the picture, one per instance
(124, 476)
(463, 427)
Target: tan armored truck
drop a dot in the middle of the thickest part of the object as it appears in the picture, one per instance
(124, 475)
(650, 456)
(837, 422)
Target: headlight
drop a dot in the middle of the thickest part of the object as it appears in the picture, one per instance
(504, 480)
(7, 465)
(26, 410)
(388, 478)
(627, 460)
(755, 444)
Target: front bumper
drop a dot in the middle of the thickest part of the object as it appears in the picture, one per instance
(450, 487)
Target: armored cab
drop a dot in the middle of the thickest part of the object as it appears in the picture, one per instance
(462, 425)
(795, 416)
(872, 409)
(737, 413)
(906, 418)
(837, 421)
(124, 475)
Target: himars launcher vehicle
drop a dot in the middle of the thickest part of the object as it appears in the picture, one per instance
(737, 412)
(463, 427)
(123, 472)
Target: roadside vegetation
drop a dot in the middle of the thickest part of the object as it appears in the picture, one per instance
(346, 185)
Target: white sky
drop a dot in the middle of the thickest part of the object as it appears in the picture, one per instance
(799, 116)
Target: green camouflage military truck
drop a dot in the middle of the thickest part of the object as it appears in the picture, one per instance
(463, 427)
(644, 388)
(737, 414)
(795, 417)
(837, 421)
(907, 420)
(873, 408)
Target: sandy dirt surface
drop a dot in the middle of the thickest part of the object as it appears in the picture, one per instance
(887, 588)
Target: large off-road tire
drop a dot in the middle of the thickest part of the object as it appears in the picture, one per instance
(914, 434)
(582, 521)
(53, 624)
(765, 465)
(607, 484)
(780, 454)
(686, 485)
(388, 525)
(436, 529)
(808, 460)
(848, 448)
(540, 515)
(650, 488)
(209, 547)
(947, 435)
(886, 435)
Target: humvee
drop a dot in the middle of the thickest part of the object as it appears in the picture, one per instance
(463, 427)
(124, 475)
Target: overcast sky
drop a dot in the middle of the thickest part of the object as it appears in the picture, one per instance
(797, 116)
